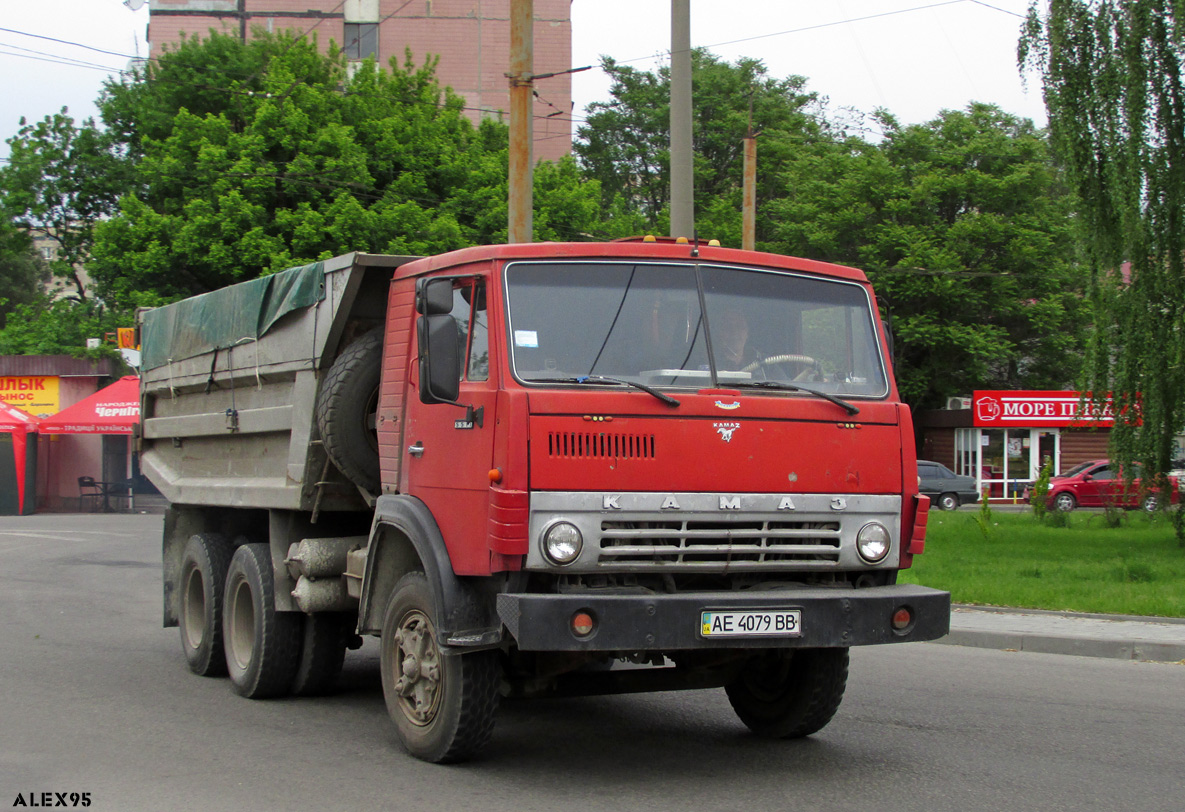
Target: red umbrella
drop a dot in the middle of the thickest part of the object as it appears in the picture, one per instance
(112, 410)
(19, 423)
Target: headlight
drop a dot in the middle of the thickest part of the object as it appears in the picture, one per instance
(873, 542)
(562, 543)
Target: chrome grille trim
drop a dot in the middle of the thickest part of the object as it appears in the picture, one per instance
(632, 532)
(700, 544)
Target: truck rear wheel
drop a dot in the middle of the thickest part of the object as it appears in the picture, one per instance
(262, 645)
(787, 694)
(203, 580)
(321, 654)
(442, 705)
(347, 407)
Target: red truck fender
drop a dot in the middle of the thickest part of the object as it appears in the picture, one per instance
(404, 537)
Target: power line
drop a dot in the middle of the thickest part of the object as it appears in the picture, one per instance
(62, 61)
(831, 24)
(67, 42)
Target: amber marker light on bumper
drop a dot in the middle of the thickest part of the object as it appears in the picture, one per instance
(583, 624)
(902, 619)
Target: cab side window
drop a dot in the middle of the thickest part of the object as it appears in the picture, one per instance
(472, 319)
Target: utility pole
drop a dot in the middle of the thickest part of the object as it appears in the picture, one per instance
(520, 224)
(749, 188)
(682, 180)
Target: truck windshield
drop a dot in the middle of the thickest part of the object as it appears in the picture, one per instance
(650, 323)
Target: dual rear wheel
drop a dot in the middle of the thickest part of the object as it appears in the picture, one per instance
(229, 625)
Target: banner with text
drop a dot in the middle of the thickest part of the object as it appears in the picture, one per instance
(36, 394)
(1037, 409)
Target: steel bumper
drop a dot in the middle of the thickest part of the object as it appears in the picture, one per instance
(639, 622)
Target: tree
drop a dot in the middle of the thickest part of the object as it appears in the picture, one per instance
(61, 180)
(287, 160)
(1112, 75)
(23, 274)
(963, 226)
(60, 328)
(625, 144)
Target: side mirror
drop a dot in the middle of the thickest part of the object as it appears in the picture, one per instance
(434, 297)
(440, 359)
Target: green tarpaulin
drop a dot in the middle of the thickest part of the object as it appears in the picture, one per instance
(224, 318)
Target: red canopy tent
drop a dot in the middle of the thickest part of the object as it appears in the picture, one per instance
(19, 423)
(112, 410)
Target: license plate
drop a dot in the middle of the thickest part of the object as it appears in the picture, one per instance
(752, 623)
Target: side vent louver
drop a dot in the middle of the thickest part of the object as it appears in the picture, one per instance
(600, 445)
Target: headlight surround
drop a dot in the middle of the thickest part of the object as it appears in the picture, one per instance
(873, 542)
(562, 543)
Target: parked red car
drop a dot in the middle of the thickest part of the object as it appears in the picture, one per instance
(1100, 484)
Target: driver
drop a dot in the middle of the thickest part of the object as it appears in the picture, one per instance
(730, 337)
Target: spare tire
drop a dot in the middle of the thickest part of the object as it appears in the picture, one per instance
(347, 407)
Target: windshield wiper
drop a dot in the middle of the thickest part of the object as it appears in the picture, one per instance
(650, 390)
(793, 387)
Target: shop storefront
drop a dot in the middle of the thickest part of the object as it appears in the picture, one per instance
(1005, 437)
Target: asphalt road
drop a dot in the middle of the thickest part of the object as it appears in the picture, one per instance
(95, 698)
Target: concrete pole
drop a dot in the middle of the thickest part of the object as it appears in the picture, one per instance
(749, 196)
(682, 179)
(520, 225)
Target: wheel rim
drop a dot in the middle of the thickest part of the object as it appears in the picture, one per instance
(1065, 502)
(242, 625)
(193, 609)
(417, 663)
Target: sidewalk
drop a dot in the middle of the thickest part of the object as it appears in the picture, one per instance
(1036, 630)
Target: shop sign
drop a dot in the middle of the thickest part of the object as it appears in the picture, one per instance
(36, 394)
(1037, 409)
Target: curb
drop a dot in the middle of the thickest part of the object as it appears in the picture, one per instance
(1118, 637)
(1123, 649)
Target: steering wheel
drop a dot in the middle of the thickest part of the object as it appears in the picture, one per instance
(804, 361)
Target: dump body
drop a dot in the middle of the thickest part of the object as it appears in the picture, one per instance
(230, 382)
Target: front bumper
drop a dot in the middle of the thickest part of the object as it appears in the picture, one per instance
(831, 618)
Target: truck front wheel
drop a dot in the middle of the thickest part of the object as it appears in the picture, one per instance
(262, 645)
(442, 705)
(203, 581)
(787, 694)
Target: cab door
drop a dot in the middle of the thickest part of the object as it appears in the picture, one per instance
(448, 456)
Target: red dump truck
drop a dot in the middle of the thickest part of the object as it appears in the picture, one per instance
(533, 470)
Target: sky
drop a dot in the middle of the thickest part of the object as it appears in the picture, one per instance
(912, 57)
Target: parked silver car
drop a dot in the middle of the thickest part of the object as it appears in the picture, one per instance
(946, 489)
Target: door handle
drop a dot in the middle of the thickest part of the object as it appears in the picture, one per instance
(416, 449)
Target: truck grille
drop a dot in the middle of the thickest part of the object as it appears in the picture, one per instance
(715, 544)
(599, 445)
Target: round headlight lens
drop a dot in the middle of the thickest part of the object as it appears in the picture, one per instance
(562, 543)
(873, 542)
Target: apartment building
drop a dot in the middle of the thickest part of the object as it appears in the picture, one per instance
(471, 38)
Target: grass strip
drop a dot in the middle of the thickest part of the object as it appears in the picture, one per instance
(1011, 559)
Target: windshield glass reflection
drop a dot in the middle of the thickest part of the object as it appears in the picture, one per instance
(649, 323)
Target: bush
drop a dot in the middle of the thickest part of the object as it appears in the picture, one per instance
(984, 517)
(1041, 490)
(1057, 518)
